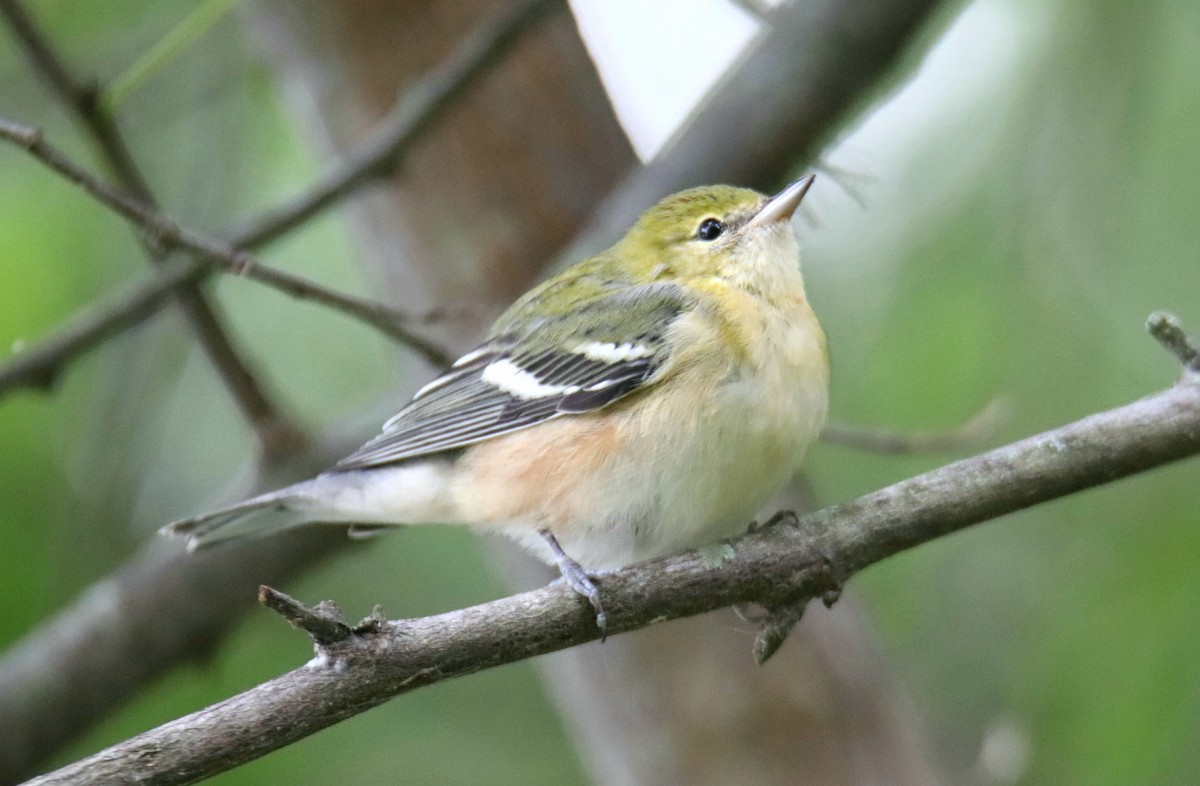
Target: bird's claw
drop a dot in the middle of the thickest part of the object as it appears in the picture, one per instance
(578, 579)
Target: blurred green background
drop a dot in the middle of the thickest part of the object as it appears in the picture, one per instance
(1027, 201)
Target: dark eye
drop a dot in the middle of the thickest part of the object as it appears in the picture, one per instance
(710, 229)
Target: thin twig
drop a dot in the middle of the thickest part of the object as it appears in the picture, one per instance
(774, 629)
(80, 98)
(853, 183)
(40, 366)
(418, 109)
(779, 566)
(390, 321)
(1167, 331)
(877, 440)
(276, 433)
(167, 232)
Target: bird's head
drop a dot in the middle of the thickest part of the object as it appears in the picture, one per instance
(714, 231)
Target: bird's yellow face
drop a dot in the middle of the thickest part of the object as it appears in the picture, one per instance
(713, 231)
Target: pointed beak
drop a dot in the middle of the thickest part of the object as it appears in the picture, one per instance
(781, 206)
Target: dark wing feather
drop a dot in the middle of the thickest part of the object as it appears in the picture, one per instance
(524, 377)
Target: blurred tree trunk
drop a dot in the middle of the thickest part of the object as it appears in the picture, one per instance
(468, 222)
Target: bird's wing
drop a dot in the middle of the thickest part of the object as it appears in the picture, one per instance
(528, 373)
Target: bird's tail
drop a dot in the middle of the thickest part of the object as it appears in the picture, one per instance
(369, 500)
(279, 510)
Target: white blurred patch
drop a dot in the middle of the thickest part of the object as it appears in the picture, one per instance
(1005, 751)
(658, 58)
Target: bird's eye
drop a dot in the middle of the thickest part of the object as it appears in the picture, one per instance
(710, 229)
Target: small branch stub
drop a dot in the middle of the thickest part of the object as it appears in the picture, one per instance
(779, 621)
(774, 630)
(1167, 330)
(324, 622)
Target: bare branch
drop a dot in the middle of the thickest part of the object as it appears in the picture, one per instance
(276, 433)
(877, 440)
(40, 366)
(166, 232)
(80, 98)
(390, 321)
(416, 112)
(778, 566)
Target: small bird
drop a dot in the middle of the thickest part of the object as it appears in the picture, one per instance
(645, 400)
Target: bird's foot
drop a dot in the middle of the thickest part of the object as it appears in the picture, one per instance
(780, 517)
(578, 579)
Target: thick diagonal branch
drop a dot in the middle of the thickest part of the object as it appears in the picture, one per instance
(780, 565)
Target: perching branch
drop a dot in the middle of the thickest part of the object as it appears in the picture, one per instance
(276, 433)
(168, 233)
(781, 565)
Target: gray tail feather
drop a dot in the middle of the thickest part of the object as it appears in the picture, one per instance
(262, 515)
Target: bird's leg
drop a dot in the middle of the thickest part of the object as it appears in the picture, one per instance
(578, 580)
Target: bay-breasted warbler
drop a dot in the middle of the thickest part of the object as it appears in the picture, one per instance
(645, 400)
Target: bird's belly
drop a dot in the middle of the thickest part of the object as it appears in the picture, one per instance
(738, 452)
(690, 465)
